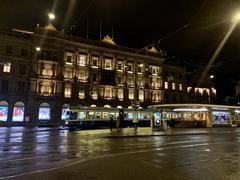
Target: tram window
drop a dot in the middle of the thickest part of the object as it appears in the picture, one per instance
(82, 115)
(73, 115)
(98, 115)
(91, 115)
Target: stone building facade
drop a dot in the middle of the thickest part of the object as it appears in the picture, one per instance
(42, 72)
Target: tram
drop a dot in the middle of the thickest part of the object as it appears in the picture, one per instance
(99, 117)
(199, 115)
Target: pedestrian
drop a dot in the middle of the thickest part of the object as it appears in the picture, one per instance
(118, 123)
(111, 123)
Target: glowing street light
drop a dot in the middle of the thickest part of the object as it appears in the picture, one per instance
(236, 17)
(51, 16)
(211, 76)
(38, 49)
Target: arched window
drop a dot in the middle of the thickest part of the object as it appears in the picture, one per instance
(65, 112)
(18, 112)
(3, 111)
(119, 107)
(44, 112)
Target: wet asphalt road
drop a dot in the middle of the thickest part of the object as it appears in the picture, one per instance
(175, 154)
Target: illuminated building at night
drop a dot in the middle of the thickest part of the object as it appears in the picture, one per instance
(45, 71)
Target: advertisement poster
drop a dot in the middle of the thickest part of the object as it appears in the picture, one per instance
(44, 114)
(3, 113)
(18, 114)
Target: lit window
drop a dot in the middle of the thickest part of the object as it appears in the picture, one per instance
(180, 87)
(81, 94)
(130, 67)
(94, 95)
(120, 80)
(69, 58)
(130, 81)
(155, 82)
(46, 87)
(120, 65)
(82, 60)
(141, 96)
(47, 70)
(173, 86)
(140, 68)
(156, 96)
(108, 64)
(120, 94)
(140, 82)
(7, 67)
(82, 76)
(189, 89)
(67, 92)
(95, 61)
(131, 94)
(165, 85)
(68, 73)
(108, 93)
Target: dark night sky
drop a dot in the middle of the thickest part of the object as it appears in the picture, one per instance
(137, 23)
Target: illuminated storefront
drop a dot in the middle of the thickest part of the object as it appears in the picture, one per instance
(3, 111)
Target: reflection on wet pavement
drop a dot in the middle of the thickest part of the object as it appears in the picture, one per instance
(23, 150)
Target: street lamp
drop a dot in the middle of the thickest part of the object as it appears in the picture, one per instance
(38, 48)
(236, 17)
(211, 76)
(51, 16)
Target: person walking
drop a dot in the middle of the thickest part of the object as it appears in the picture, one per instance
(118, 123)
(111, 123)
(135, 123)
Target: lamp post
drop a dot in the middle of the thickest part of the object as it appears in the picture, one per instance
(51, 16)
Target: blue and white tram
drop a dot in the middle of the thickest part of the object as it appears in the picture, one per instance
(97, 117)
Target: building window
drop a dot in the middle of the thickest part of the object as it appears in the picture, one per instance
(24, 52)
(130, 81)
(120, 65)
(130, 67)
(165, 85)
(156, 96)
(94, 95)
(140, 68)
(108, 93)
(68, 73)
(120, 94)
(22, 69)
(4, 85)
(140, 82)
(44, 112)
(81, 94)
(82, 60)
(7, 67)
(155, 82)
(47, 70)
(189, 89)
(9, 49)
(108, 64)
(173, 86)
(120, 80)
(180, 87)
(46, 87)
(82, 76)
(141, 96)
(67, 91)
(95, 61)
(21, 86)
(131, 94)
(69, 58)
(94, 77)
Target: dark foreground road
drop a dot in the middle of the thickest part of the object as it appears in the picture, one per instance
(175, 154)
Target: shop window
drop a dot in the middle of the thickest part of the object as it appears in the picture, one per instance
(44, 112)
(3, 111)
(18, 112)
